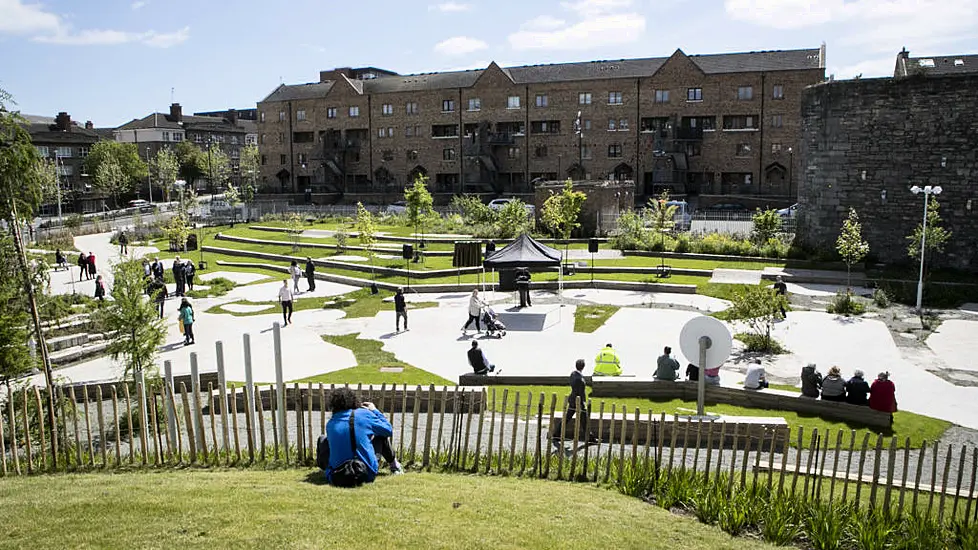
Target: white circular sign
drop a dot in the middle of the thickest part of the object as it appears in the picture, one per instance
(720, 341)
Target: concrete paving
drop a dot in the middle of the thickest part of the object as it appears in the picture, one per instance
(956, 344)
(736, 276)
(349, 258)
(824, 291)
(635, 298)
(268, 292)
(245, 308)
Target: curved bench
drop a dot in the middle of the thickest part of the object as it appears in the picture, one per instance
(756, 399)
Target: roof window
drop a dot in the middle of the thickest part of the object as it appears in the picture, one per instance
(925, 62)
(958, 62)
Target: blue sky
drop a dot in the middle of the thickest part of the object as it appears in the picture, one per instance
(113, 60)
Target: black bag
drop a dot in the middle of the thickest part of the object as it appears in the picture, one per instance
(353, 472)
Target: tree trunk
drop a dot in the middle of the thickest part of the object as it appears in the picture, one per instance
(38, 331)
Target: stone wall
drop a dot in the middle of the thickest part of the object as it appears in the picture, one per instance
(599, 214)
(866, 142)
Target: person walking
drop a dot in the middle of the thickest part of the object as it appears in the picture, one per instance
(82, 266)
(285, 297)
(400, 310)
(179, 277)
(123, 243)
(576, 402)
(781, 289)
(147, 269)
(666, 368)
(92, 269)
(475, 311)
(607, 363)
(99, 288)
(158, 269)
(189, 272)
(158, 292)
(311, 274)
(186, 317)
(296, 274)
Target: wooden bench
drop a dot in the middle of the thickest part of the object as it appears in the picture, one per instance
(386, 398)
(92, 387)
(471, 379)
(757, 399)
(761, 432)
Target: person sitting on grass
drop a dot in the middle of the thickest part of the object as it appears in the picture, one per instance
(857, 389)
(477, 358)
(811, 381)
(834, 386)
(666, 368)
(756, 378)
(355, 434)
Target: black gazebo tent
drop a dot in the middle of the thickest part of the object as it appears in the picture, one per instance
(527, 252)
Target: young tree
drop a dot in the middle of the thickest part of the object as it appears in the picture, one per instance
(176, 231)
(660, 214)
(561, 211)
(130, 320)
(294, 224)
(233, 198)
(364, 226)
(766, 225)
(15, 354)
(110, 179)
(218, 167)
(125, 156)
(193, 165)
(420, 204)
(936, 236)
(759, 308)
(164, 169)
(512, 220)
(850, 244)
(251, 170)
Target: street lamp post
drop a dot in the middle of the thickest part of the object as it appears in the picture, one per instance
(927, 190)
(149, 178)
(791, 167)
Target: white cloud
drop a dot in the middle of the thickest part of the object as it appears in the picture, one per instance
(873, 25)
(44, 26)
(450, 7)
(599, 23)
(460, 45)
(137, 5)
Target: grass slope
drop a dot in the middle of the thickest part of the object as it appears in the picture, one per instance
(370, 359)
(292, 509)
(589, 318)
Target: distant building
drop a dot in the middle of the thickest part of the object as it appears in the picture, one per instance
(67, 144)
(240, 114)
(164, 130)
(942, 65)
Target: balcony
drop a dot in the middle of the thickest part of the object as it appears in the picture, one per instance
(502, 138)
(689, 134)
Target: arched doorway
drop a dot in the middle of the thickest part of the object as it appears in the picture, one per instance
(284, 177)
(623, 172)
(576, 172)
(415, 173)
(776, 178)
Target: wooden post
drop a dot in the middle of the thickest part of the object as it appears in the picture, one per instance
(27, 435)
(699, 441)
(537, 466)
(784, 460)
(733, 459)
(720, 448)
(878, 458)
(74, 424)
(526, 431)
(746, 458)
(170, 405)
(223, 395)
(562, 436)
(115, 424)
(502, 430)
(820, 474)
(770, 460)
(157, 442)
(672, 445)
(88, 429)
(835, 466)
(660, 441)
(635, 439)
(757, 458)
(813, 447)
(189, 423)
(311, 436)
(414, 424)
(862, 464)
(260, 420)
(463, 452)
(249, 410)
(682, 464)
(11, 413)
(709, 452)
(577, 430)
(890, 466)
(429, 427)
(144, 419)
(13, 444)
(516, 425)
(611, 444)
(177, 438)
(960, 476)
(852, 447)
(63, 437)
(300, 438)
(404, 392)
(216, 454)
(947, 469)
(492, 430)
(101, 426)
(273, 404)
(905, 480)
(971, 491)
(933, 480)
(546, 456)
(129, 426)
(478, 438)
(600, 434)
(234, 423)
(621, 448)
(42, 452)
(648, 442)
(441, 423)
(794, 477)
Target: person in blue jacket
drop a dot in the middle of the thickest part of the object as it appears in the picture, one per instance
(372, 431)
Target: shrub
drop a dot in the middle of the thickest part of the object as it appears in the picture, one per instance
(341, 240)
(760, 344)
(218, 286)
(781, 523)
(767, 225)
(825, 525)
(846, 304)
(759, 307)
(683, 244)
(733, 514)
(513, 220)
(774, 248)
(873, 531)
(630, 233)
(917, 531)
(881, 299)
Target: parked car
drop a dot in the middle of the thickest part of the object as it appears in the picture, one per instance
(789, 212)
(397, 208)
(498, 204)
(141, 205)
(727, 207)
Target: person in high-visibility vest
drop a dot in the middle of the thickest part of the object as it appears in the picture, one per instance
(607, 363)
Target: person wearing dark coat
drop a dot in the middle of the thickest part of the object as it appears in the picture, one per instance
(123, 243)
(811, 381)
(99, 289)
(92, 270)
(857, 389)
(576, 402)
(157, 291)
(179, 277)
(523, 285)
(311, 274)
(82, 266)
(189, 272)
(158, 269)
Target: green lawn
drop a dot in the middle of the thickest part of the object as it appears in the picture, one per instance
(370, 359)
(589, 318)
(294, 509)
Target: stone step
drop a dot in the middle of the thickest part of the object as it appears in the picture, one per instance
(77, 354)
(61, 343)
(76, 324)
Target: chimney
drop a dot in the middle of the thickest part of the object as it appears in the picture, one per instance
(233, 117)
(62, 122)
(89, 125)
(176, 112)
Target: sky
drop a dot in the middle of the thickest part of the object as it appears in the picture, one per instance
(110, 61)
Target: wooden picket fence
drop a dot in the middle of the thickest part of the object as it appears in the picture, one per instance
(467, 429)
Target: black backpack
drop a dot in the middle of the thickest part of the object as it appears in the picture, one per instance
(351, 473)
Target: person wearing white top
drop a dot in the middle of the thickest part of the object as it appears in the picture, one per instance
(296, 274)
(475, 309)
(285, 296)
(755, 378)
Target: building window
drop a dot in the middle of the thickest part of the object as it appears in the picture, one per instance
(281, 159)
(541, 151)
(584, 98)
(281, 116)
(662, 96)
(411, 108)
(586, 152)
(475, 104)
(778, 92)
(587, 124)
(387, 155)
(623, 125)
(614, 98)
(513, 102)
(545, 127)
(653, 124)
(740, 122)
(177, 136)
(200, 139)
(234, 140)
(448, 105)
(411, 155)
(166, 136)
(82, 152)
(614, 151)
(743, 149)
(777, 121)
(707, 123)
(331, 112)
(513, 152)
(250, 139)
(264, 160)
(66, 170)
(381, 132)
(261, 139)
(542, 100)
(261, 116)
(302, 158)
(745, 93)
(612, 124)
(694, 94)
(303, 137)
(775, 147)
(43, 151)
(300, 115)
(354, 111)
(444, 130)
(409, 131)
(387, 108)
(448, 153)
(511, 128)
(694, 149)
(281, 137)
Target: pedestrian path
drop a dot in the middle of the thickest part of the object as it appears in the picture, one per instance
(736, 276)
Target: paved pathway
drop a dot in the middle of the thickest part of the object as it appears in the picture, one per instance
(736, 276)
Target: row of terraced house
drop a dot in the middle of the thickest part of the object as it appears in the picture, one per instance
(708, 125)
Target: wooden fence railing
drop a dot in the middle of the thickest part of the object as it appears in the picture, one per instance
(486, 430)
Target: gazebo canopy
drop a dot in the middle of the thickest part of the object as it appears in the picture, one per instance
(523, 252)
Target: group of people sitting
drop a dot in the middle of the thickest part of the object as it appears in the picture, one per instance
(880, 396)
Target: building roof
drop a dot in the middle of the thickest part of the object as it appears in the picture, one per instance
(40, 132)
(776, 60)
(206, 123)
(943, 65)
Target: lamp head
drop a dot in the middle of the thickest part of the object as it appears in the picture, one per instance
(915, 190)
(936, 190)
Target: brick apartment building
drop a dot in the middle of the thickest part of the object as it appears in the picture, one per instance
(709, 125)
(158, 130)
(67, 144)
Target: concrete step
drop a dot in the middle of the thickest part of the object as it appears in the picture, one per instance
(75, 324)
(76, 354)
(61, 343)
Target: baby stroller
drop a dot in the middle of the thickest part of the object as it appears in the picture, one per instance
(494, 327)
